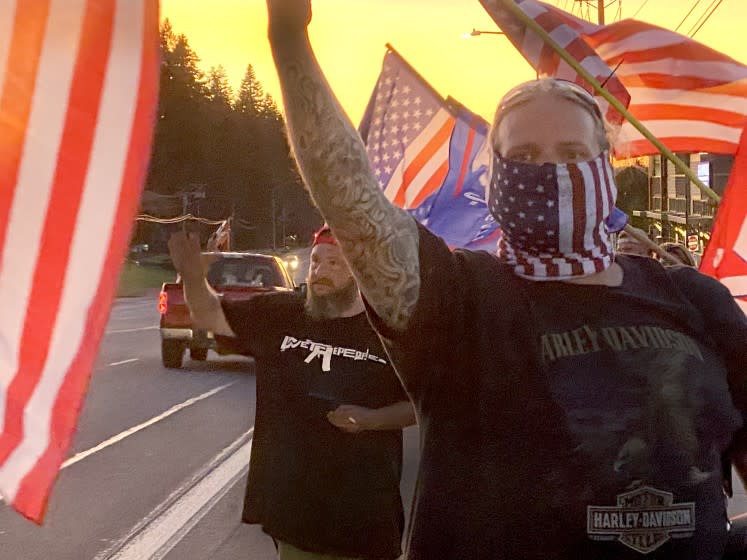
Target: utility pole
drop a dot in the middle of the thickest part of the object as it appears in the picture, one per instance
(231, 222)
(274, 236)
(600, 10)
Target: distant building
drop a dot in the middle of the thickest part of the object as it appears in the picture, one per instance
(674, 209)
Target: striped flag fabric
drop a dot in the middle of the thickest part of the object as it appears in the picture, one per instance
(725, 257)
(691, 97)
(430, 155)
(407, 128)
(77, 106)
(568, 31)
(560, 237)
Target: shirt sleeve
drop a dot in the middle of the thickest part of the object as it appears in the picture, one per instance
(254, 322)
(420, 353)
(725, 323)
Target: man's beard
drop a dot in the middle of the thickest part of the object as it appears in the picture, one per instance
(331, 305)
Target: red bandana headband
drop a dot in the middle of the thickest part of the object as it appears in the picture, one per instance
(323, 235)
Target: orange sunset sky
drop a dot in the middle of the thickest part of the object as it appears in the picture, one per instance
(348, 37)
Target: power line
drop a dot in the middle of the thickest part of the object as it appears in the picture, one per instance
(688, 15)
(707, 18)
(177, 219)
(639, 9)
(700, 19)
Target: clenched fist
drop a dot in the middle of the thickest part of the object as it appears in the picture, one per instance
(288, 16)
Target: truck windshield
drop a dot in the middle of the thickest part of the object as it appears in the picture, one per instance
(253, 272)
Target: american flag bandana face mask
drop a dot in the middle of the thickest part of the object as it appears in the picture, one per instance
(553, 216)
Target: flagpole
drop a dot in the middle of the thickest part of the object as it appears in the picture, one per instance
(666, 152)
(414, 72)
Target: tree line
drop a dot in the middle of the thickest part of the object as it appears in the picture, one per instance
(219, 153)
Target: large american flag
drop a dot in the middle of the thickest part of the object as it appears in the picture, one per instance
(79, 92)
(567, 31)
(430, 155)
(691, 97)
(407, 128)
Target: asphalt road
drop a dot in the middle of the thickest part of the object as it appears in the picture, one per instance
(159, 460)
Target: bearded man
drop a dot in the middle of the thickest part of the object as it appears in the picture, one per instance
(326, 456)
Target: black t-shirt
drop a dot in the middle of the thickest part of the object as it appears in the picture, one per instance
(310, 484)
(562, 420)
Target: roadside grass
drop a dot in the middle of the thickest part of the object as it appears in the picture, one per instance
(137, 279)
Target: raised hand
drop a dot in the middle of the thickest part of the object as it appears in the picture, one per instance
(184, 249)
(288, 15)
(352, 419)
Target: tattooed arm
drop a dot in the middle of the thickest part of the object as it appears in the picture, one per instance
(378, 239)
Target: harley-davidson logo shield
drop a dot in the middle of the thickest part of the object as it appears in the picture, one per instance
(643, 519)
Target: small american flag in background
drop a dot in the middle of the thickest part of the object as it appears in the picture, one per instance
(407, 128)
(78, 98)
(567, 31)
(430, 156)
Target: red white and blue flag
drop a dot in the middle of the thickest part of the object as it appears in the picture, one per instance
(430, 156)
(691, 97)
(725, 257)
(77, 104)
(568, 31)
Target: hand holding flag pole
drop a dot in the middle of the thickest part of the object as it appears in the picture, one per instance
(571, 61)
(646, 242)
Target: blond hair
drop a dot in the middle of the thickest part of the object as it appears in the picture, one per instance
(527, 91)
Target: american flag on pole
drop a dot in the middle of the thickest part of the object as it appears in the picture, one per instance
(691, 97)
(567, 31)
(79, 93)
(430, 155)
(725, 257)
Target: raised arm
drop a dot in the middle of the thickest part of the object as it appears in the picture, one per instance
(204, 305)
(378, 239)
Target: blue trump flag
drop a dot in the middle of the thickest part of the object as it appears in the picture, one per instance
(458, 211)
(430, 156)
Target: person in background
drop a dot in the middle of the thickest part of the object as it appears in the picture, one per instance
(326, 456)
(567, 396)
(680, 252)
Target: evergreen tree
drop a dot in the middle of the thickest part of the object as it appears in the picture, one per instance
(250, 98)
(177, 158)
(168, 38)
(270, 109)
(235, 147)
(218, 89)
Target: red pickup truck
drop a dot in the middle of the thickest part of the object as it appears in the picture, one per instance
(235, 276)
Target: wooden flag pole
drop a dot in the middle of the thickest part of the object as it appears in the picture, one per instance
(650, 245)
(666, 152)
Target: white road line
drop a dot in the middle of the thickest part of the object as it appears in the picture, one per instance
(118, 331)
(128, 361)
(167, 524)
(127, 433)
